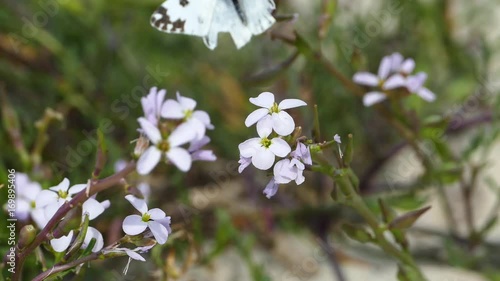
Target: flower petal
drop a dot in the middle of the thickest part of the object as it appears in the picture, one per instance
(45, 197)
(133, 225)
(133, 255)
(180, 158)
(283, 123)
(265, 99)
(150, 130)
(271, 189)
(291, 103)
(184, 133)
(197, 144)
(279, 147)
(159, 231)
(393, 82)
(63, 186)
(197, 127)
(366, 78)
(139, 204)
(263, 159)
(50, 210)
(415, 82)
(255, 116)
(148, 160)
(265, 126)
(93, 208)
(204, 118)
(407, 66)
(249, 147)
(385, 67)
(426, 94)
(93, 233)
(62, 243)
(244, 162)
(185, 102)
(372, 98)
(76, 188)
(396, 60)
(156, 214)
(171, 109)
(203, 155)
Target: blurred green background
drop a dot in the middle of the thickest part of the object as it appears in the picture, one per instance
(92, 60)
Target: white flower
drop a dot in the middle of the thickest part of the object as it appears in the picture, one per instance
(93, 233)
(62, 243)
(26, 192)
(287, 170)
(281, 121)
(415, 85)
(198, 154)
(50, 200)
(263, 150)
(152, 103)
(183, 108)
(135, 224)
(244, 162)
(271, 189)
(170, 147)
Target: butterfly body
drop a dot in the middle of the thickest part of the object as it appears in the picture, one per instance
(207, 18)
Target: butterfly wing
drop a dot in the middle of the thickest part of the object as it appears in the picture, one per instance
(192, 17)
(258, 14)
(226, 19)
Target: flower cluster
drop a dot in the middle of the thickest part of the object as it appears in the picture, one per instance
(41, 205)
(169, 125)
(274, 125)
(394, 72)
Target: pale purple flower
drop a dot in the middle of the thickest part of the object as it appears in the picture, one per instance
(183, 108)
(288, 170)
(135, 224)
(26, 192)
(415, 85)
(282, 123)
(303, 153)
(244, 162)
(152, 103)
(271, 189)
(263, 150)
(198, 154)
(382, 80)
(169, 147)
(50, 200)
(401, 65)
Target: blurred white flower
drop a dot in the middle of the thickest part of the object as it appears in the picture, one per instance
(169, 147)
(152, 103)
(281, 122)
(152, 219)
(263, 150)
(93, 233)
(26, 192)
(183, 108)
(401, 65)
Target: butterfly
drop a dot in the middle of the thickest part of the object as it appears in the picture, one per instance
(206, 18)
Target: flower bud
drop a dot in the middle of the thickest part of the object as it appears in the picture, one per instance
(26, 236)
(141, 145)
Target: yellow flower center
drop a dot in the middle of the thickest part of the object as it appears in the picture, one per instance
(265, 142)
(146, 217)
(274, 108)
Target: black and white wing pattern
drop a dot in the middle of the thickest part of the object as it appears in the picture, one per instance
(192, 17)
(207, 18)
